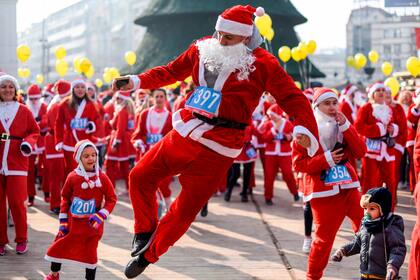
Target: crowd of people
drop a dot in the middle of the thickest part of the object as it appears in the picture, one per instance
(343, 154)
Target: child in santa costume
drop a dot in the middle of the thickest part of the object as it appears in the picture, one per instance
(231, 73)
(55, 171)
(375, 123)
(39, 111)
(413, 121)
(19, 133)
(77, 119)
(87, 199)
(277, 134)
(120, 148)
(330, 181)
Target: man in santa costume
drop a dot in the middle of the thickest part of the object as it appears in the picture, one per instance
(231, 73)
(330, 181)
(375, 123)
(48, 93)
(413, 116)
(39, 111)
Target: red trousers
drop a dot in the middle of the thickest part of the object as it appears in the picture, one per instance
(200, 169)
(117, 170)
(397, 166)
(31, 176)
(164, 187)
(329, 213)
(272, 166)
(14, 189)
(71, 164)
(377, 172)
(414, 262)
(411, 169)
(53, 181)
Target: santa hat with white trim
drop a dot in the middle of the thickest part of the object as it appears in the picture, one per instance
(77, 155)
(63, 88)
(78, 81)
(49, 90)
(34, 91)
(322, 94)
(309, 93)
(275, 110)
(374, 87)
(6, 77)
(349, 89)
(238, 20)
(124, 94)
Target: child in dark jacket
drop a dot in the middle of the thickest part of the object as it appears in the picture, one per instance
(380, 241)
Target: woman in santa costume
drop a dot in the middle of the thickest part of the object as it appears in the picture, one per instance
(55, 171)
(375, 123)
(231, 72)
(87, 199)
(277, 134)
(77, 119)
(19, 133)
(39, 111)
(154, 123)
(100, 134)
(120, 148)
(413, 120)
(330, 181)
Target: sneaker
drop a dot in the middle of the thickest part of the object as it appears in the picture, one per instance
(31, 200)
(22, 248)
(269, 202)
(135, 267)
(306, 247)
(52, 277)
(296, 197)
(2, 250)
(141, 242)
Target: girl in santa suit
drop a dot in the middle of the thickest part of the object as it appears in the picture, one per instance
(330, 181)
(375, 123)
(19, 133)
(39, 111)
(413, 116)
(120, 149)
(154, 123)
(77, 119)
(87, 199)
(277, 134)
(54, 175)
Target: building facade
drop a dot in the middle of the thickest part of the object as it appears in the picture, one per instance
(8, 42)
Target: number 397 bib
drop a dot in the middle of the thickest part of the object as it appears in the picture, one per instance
(337, 175)
(204, 101)
(82, 208)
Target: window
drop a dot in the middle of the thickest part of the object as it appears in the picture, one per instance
(397, 64)
(397, 49)
(387, 50)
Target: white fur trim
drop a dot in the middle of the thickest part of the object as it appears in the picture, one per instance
(78, 82)
(329, 158)
(59, 147)
(344, 126)
(314, 143)
(233, 27)
(105, 212)
(88, 131)
(60, 260)
(9, 78)
(351, 90)
(399, 148)
(122, 96)
(410, 143)
(382, 129)
(53, 156)
(415, 112)
(117, 158)
(396, 130)
(374, 88)
(325, 96)
(68, 148)
(225, 151)
(15, 172)
(184, 128)
(27, 145)
(63, 216)
(136, 81)
(36, 96)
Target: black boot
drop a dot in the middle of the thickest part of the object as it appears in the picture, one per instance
(244, 198)
(135, 267)
(140, 243)
(204, 211)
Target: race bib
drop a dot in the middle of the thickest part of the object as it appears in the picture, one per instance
(130, 124)
(204, 101)
(279, 136)
(78, 123)
(82, 208)
(337, 175)
(153, 138)
(251, 152)
(373, 145)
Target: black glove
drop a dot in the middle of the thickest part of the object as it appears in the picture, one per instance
(37, 119)
(89, 126)
(26, 149)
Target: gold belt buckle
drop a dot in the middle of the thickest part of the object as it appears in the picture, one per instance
(4, 136)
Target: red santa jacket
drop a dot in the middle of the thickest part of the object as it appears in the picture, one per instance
(413, 119)
(238, 99)
(416, 157)
(50, 151)
(73, 126)
(109, 110)
(122, 130)
(313, 167)
(274, 137)
(372, 129)
(349, 110)
(144, 136)
(24, 130)
(401, 121)
(39, 112)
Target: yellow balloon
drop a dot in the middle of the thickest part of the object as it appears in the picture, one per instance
(360, 60)
(302, 48)
(296, 54)
(263, 24)
(61, 67)
(76, 64)
(188, 79)
(350, 61)
(60, 52)
(99, 83)
(20, 72)
(373, 56)
(130, 57)
(393, 84)
(284, 54)
(386, 68)
(85, 65)
(107, 77)
(90, 72)
(39, 79)
(24, 72)
(23, 53)
(114, 72)
(298, 85)
(270, 35)
(311, 46)
(413, 66)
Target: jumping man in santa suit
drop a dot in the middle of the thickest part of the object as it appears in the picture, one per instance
(231, 73)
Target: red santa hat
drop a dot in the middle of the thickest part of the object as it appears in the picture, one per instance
(124, 94)
(63, 88)
(6, 77)
(322, 94)
(374, 87)
(349, 89)
(275, 110)
(48, 90)
(34, 91)
(309, 93)
(80, 170)
(238, 20)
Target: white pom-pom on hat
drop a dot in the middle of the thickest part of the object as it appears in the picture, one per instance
(259, 12)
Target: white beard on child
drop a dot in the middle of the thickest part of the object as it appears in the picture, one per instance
(382, 113)
(328, 131)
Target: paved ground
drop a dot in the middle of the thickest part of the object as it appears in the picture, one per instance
(235, 241)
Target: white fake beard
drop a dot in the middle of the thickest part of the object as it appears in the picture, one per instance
(328, 131)
(33, 107)
(219, 58)
(382, 113)
(359, 100)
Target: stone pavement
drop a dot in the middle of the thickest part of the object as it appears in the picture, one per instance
(235, 241)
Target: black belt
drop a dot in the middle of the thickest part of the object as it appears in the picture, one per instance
(5, 137)
(221, 122)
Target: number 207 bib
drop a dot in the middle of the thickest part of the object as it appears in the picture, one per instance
(82, 208)
(204, 101)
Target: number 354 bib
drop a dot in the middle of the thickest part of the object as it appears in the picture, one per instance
(337, 175)
(204, 101)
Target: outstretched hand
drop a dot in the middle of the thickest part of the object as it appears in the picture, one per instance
(303, 140)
